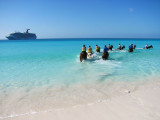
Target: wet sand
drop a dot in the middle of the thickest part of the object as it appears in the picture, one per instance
(141, 103)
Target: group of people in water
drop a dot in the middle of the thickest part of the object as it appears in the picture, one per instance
(105, 54)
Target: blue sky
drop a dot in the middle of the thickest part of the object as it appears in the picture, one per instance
(81, 18)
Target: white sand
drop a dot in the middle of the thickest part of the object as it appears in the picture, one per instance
(140, 104)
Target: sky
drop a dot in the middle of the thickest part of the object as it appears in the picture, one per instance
(81, 18)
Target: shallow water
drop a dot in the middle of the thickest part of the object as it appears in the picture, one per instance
(40, 74)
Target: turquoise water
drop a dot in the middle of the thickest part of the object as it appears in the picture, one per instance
(51, 62)
(32, 70)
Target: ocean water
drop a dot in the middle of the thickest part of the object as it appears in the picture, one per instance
(37, 75)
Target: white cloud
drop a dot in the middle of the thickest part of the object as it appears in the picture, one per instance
(130, 9)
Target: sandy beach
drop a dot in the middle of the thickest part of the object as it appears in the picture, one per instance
(140, 103)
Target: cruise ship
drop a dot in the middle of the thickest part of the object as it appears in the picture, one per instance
(21, 36)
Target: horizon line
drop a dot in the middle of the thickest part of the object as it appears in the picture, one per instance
(90, 38)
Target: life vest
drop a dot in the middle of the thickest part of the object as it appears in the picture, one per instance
(89, 50)
(83, 48)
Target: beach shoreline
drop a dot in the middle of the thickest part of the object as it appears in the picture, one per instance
(140, 103)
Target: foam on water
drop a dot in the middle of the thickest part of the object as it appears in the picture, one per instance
(39, 75)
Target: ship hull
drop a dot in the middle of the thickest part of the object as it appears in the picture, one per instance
(21, 36)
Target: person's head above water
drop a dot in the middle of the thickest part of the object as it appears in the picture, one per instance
(83, 45)
(105, 46)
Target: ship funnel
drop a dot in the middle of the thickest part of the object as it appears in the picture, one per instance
(27, 30)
